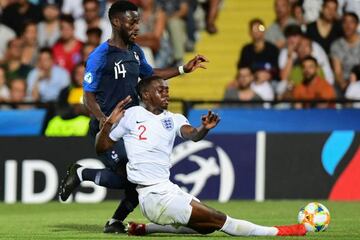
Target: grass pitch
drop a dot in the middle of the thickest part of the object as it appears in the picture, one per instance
(85, 221)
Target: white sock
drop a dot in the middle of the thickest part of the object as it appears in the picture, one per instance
(155, 228)
(79, 173)
(244, 228)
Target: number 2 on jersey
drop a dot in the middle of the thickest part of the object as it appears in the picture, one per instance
(142, 128)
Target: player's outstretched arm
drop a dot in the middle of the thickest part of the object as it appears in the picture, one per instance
(195, 63)
(93, 107)
(103, 142)
(209, 121)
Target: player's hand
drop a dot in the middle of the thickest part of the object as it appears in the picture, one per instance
(102, 121)
(118, 111)
(210, 120)
(196, 62)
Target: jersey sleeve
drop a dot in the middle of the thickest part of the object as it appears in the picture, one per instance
(93, 69)
(123, 127)
(180, 120)
(145, 69)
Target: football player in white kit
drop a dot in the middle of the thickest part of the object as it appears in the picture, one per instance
(149, 132)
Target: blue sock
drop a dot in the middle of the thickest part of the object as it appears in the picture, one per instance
(104, 177)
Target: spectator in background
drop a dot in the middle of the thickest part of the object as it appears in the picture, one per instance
(73, 8)
(4, 90)
(298, 47)
(211, 11)
(191, 26)
(47, 80)
(13, 66)
(176, 12)
(313, 87)
(18, 13)
(30, 44)
(86, 50)
(93, 36)
(241, 90)
(275, 34)
(312, 9)
(6, 34)
(262, 83)
(92, 19)
(259, 52)
(353, 90)
(345, 52)
(152, 38)
(297, 12)
(18, 93)
(49, 28)
(326, 29)
(67, 51)
(70, 97)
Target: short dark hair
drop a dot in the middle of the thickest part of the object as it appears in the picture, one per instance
(67, 18)
(94, 30)
(121, 6)
(292, 30)
(254, 21)
(46, 50)
(353, 15)
(309, 58)
(356, 70)
(145, 83)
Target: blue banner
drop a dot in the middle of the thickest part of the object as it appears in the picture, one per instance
(234, 120)
(21, 122)
(221, 167)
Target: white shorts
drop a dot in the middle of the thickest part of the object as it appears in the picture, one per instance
(165, 203)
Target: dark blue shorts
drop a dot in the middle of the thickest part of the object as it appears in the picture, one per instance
(114, 158)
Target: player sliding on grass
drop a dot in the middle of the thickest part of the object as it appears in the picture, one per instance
(149, 133)
(113, 70)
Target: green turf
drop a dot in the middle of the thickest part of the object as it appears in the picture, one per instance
(85, 221)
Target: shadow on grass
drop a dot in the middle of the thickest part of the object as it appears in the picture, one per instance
(86, 228)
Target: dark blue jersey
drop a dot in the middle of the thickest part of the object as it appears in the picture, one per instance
(113, 73)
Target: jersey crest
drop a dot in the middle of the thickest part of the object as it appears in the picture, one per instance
(167, 123)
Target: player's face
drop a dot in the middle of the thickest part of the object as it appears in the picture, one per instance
(130, 26)
(159, 94)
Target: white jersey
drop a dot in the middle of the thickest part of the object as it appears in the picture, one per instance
(149, 140)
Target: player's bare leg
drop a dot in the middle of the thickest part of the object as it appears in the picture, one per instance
(206, 220)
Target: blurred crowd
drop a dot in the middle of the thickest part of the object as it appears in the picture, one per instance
(310, 52)
(45, 43)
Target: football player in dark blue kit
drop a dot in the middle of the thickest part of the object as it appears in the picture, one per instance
(113, 70)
